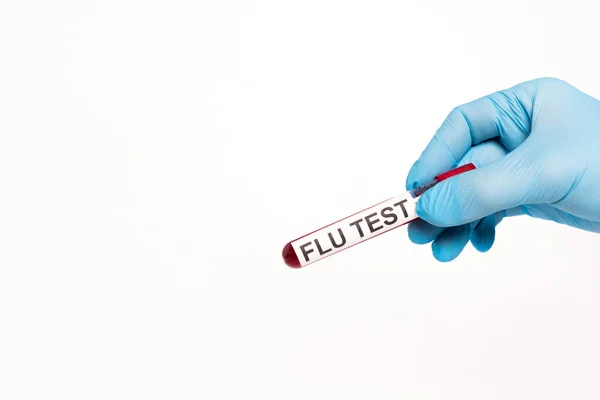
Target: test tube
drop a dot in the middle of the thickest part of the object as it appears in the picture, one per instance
(361, 226)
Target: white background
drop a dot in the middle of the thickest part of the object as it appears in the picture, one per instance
(155, 156)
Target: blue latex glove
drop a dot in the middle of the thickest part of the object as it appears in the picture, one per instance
(537, 150)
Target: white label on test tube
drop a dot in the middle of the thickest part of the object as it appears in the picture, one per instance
(355, 229)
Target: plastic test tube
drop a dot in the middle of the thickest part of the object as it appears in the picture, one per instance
(361, 226)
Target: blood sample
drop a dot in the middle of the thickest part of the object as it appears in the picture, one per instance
(361, 226)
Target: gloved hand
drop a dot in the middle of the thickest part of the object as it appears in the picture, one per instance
(537, 150)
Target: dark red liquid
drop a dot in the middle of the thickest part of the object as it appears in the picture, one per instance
(290, 257)
(456, 171)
